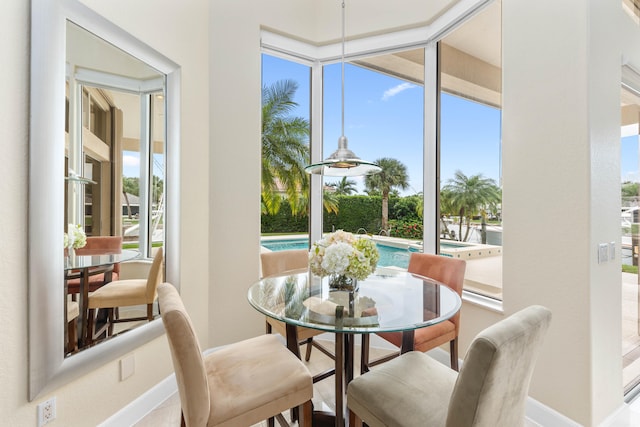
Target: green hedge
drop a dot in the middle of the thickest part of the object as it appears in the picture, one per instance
(355, 213)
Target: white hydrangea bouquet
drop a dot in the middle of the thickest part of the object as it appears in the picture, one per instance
(344, 257)
(75, 237)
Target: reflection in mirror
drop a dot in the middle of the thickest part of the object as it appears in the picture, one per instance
(107, 152)
(115, 137)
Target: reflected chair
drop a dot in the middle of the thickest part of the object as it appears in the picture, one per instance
(279, 262)
(490, 390)
(73, 312)
(124, 293)
(97, 277)
(239, 384)
(447, 270)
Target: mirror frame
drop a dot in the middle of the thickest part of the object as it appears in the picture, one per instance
(48, 368)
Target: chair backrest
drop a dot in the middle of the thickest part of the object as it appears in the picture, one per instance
(102, 245)
(280, 261)
(447, 270)
(186, 354)
(493, 383)
(155, 277)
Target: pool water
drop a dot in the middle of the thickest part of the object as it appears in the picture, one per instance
(389, 256)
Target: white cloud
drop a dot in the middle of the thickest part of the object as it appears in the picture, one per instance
(130, 161)
(389, 93)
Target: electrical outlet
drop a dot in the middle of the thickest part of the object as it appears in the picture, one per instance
(46, 411)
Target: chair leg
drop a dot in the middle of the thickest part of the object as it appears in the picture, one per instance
(354, 420)
(267, 327)
(453, 351)
(306, 414)
(72, 336)
(112, 314)
(271, 422)
(149, 312)
(307, 356)
(91, 319)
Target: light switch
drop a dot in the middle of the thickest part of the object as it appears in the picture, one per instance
(603, 253)
(612, 250)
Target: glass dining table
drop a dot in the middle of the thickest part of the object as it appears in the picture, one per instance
(82, 266)
(387, 301)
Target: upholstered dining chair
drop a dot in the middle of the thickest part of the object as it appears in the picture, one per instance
(278, 262)
(239, 384)
(124, 293)
(97, 278)
(490, 390)
(447, 270)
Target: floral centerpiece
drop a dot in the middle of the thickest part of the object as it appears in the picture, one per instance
(74, 238)
(344, 257)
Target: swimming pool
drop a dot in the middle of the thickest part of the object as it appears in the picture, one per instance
(389, 256)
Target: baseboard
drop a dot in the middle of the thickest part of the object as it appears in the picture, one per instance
(143, 405)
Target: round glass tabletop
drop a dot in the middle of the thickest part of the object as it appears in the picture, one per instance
(386, 301)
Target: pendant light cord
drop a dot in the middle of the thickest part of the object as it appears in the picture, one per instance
(342, 62)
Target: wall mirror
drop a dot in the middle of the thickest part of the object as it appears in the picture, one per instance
(104, 116)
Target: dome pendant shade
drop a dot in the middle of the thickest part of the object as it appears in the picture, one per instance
(343, 162)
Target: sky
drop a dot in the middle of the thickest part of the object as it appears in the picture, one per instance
(384, 118)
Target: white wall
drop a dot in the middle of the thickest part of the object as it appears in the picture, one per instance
(180, 33)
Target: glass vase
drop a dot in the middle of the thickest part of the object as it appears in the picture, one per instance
(341, 282)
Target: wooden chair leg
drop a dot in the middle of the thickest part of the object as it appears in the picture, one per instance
(267, 327)
(354, 420)
(149, 312)
(307, 356)
(72, 334)
(111, 317)
(91, 325)
(453, 351)
(271, 422)
(306, 414)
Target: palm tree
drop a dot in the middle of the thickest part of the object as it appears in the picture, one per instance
(344, 186)
(470, 196)
(392, 177)
(285, 148)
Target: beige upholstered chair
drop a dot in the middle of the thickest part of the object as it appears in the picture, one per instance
(278, 262)
(97, 278)
(238, 385)
(490, 390)
(124, 293)
(447, 270)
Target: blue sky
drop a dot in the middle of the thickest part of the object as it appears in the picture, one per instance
(384, 118)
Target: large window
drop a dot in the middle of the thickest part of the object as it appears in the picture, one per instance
(284, 196)
(630, 240)
(422, 132)
(470, 150)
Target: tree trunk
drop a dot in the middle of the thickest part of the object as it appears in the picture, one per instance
(385, 212)
(126, 199)
(460, 224)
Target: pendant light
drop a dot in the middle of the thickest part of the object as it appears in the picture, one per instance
(343, 162)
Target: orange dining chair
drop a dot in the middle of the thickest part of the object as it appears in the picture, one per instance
(97, 245)
(240, 384)
(279, 262)
(124, 293)
(447, 270)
